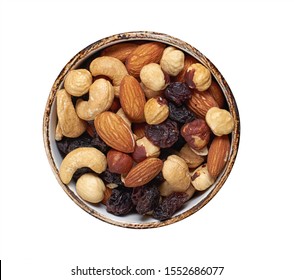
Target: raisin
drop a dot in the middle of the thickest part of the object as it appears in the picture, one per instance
(81, 171)
(178, 93)
(120, 201)
(169, 205)
(163, 135)
(99, 144)
(180, 114)
(146, 198)
(110, 177)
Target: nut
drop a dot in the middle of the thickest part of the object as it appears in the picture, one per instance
(90, 188)
(202, 152)
(115, 132)
(77, 82)
(217, 93)
(153, 77)
(101, 95)
(196, 134)
(70, 124)
(144, 149)
(149, 93)
(143, 172)
(110, 67)
(58, 132)
(172, 61)
(143, 55)
(189, 60)
(139, 130)
(119, 162)
(81, 157)
(198, 76)
(192, 159)
(120, 51)
(201, 102)
(218, 155)
(132, 99)
(122, 114)
(176, 172)
(156, 110)
(220, 121)
(201, 179)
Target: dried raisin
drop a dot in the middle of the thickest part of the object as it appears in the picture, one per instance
(180, 114)
(178, 93)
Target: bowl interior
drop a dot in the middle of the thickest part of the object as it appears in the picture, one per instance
(50, 119)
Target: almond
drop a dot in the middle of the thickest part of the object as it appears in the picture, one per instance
(120, 51)
(218, 155)
(132, 99)
(143, 55)
(143, 172)
(201, 102)
(115, 132)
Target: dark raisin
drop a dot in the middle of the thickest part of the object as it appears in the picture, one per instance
(120, 201)
(109, 177)
(178, 93)
(169, 205)
(67, 145)
(179, 144)
(99, 144)
(180, 114)
(157, 180)
(146, 198)
(80, 172)
(163, 135)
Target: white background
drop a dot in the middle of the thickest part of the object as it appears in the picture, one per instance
(247, 227)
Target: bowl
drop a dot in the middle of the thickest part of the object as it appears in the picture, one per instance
(134, 220)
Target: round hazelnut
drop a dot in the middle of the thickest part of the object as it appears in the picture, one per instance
(90, 188)
(172, 61)
(119, 162)
(176, 172)
(192, 159)
(144, 149)
(198, 76)
(220, 121)
(196, 134)
(77, 82)
(156, 110)
(153, 77)
(201, 179)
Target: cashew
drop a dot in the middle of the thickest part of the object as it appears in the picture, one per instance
(77, 82)
(100, 99)
(110, 67)
(82, 157)
(90, 188)
(58, 133)
(70, 124)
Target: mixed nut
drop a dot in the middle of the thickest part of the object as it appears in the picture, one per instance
(143, 128)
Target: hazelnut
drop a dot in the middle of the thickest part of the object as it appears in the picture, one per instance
(156, 110)
(196, 134)
(149, 93)
(77, 82)
(172, 61)
(90, 188)
(119, 162)
(153, 77)
(192, 159)
(220, 121)
(198, 76)
(144, 149)
(176, 172)
(201, 179)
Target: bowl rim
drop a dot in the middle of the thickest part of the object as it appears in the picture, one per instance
(168, 40)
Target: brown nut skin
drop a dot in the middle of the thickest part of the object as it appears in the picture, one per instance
(144, 149)
(198, 76)
(119, 162)
(189, 60)
(142, 55)
(200, 102)
(156, 110)
(196, 134)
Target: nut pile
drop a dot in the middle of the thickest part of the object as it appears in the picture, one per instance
(143, 128)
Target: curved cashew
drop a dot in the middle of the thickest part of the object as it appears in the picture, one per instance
(101, 95)
(82, 157)
(77, 82)
(70, 124)
(110, 67)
